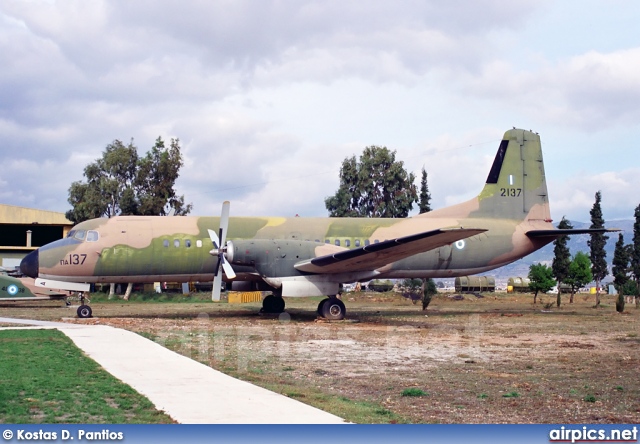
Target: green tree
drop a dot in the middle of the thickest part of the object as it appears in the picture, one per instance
(157, 174)
(540, 279)
(630, 288)
(561, 254)
(598, 255)
(108, 189)
(424, 202)
(620, 270)
(429, 289)
(375, 186)
(579, 273)
(412, 289)
(121, 183)
(635, 254)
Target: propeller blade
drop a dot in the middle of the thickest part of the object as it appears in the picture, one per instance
(228, 270)
(217, 284)
(216, 249)
(220, 246)
(214, 238)
(224, 221)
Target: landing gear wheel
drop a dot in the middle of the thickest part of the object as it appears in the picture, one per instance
(334, 309)
(320, 305)
(278, 305)
(84, 311)
(272, 304)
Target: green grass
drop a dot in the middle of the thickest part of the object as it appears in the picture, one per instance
(413, 392)
(45, 378)
(152, 297)
(359, 412)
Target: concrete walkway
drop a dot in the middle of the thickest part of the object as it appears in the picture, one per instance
(189, 392)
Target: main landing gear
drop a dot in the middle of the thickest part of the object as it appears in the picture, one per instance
(332, 309)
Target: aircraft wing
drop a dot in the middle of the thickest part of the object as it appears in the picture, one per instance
(569, 232)
(371, 257)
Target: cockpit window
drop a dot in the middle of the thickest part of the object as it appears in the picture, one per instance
(79, 234)
(71, 233)
(92, 236)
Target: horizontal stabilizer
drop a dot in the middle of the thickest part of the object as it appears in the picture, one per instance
(371, 257)
(569, 232)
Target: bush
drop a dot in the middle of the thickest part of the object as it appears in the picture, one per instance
(413, 392)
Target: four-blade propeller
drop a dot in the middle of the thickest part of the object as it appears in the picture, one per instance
(220, 249)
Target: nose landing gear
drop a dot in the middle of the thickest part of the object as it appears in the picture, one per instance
(83, 311)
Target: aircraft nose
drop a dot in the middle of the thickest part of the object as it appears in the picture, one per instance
(30, 264)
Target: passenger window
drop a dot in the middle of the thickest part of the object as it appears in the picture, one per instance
(376, 241)
(337, 242)
(165, 243)
(357, 242)
(327, 241)
(176, 243)
(79, 235)
(187, 243)
(366, 242)
(199, 243)
(347, 243)
(92, 236)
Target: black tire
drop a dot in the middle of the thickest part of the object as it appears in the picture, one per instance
(334, 309)
(278, 305)
(320, 305)
(267, 303)
(272, 304)
(84, 311)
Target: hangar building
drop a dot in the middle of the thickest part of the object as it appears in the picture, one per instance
(22, 230)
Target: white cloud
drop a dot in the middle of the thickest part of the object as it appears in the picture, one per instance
(262, 92)
(591, 91)
(575, 195)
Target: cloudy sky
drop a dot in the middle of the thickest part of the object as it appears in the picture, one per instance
(269, 97)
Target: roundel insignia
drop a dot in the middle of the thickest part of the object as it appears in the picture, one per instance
(460, 244)
(12, 289)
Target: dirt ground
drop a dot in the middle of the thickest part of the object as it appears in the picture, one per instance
(497, 359)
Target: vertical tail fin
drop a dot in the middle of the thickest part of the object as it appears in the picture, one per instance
(516, 187)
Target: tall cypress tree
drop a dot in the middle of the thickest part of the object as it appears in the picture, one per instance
(598, 255)
(635, 253)
(425, 196)
(561, 255)
(620, 270)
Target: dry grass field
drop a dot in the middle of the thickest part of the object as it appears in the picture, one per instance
(497, 359)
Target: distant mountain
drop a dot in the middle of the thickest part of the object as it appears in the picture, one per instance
(576, 243)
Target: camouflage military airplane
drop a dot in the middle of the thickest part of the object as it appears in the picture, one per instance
(298, 256)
